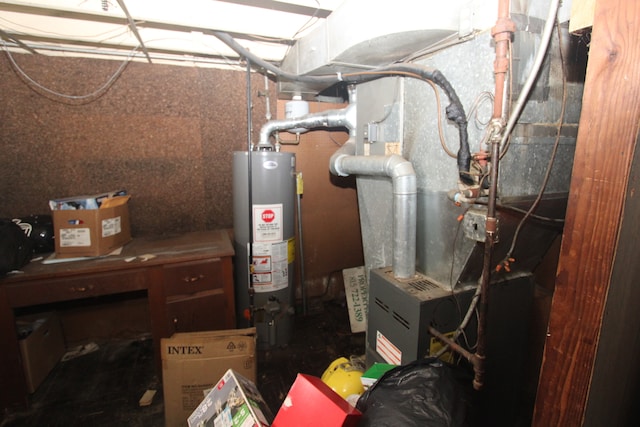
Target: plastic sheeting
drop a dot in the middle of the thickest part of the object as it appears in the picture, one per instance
(423, 393)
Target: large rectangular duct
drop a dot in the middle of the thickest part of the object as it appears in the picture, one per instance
(361, 34)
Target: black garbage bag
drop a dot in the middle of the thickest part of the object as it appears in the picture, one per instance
(424, 393)
(16, 249)
(39, 229)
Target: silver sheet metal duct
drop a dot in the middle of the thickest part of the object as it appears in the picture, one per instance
(345, 118)
(344, 162)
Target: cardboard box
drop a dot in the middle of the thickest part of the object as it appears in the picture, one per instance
(193, 362)
(92, 232)
(41, 347)
(234, 402)
(312, 403)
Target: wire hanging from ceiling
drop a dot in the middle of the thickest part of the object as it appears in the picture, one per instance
(66, 98)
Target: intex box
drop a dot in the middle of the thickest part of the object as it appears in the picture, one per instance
(41, 346)
(312, 403)
(234, 402)
(193, 362)
(92, 232)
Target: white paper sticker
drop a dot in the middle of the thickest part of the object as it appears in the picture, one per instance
(74, 237)
(267, 223)
(270, 266)
(111, 226)
(357, 294)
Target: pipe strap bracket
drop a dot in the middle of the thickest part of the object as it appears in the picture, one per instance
(504, 29)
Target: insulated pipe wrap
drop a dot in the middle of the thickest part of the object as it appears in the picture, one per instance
(345, 117)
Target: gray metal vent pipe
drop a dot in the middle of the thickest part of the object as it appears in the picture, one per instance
(345, 117)
(344, 162)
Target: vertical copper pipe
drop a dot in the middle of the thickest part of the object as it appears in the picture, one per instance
(485, 279)
(501, 33)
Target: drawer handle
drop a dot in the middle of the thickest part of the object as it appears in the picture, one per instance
(191, 279)
(81, 288)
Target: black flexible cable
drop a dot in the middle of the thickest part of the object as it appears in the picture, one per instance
(455, 110)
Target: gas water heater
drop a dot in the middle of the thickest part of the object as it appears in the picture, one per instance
(264, 191)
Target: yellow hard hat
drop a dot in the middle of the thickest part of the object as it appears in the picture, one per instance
(343, 377)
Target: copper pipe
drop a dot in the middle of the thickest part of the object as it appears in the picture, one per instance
(502, 33)
(452, 344)
(485, 279)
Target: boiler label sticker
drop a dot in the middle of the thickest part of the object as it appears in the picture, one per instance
(389, 352)
(267, 223)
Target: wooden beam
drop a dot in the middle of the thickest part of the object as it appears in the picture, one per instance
(582, 12)
(607, 138)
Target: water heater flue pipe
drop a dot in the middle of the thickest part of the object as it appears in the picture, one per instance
(403, 177)
(344, 118)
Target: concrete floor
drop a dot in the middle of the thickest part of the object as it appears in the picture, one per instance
(103, 388)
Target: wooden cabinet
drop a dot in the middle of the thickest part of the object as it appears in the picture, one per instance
(195, 296)
(188, 279)
(197, 312)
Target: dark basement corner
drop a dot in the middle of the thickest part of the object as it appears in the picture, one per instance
(104, 387)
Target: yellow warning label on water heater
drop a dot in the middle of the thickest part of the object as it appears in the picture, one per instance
(291, 246)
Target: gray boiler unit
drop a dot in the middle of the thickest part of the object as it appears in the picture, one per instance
(400, 312)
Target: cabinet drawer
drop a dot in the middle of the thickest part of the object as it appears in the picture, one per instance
(191, 277)
(204, 311)
(65, 289)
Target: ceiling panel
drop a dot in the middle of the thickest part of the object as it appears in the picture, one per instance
(159, 30)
